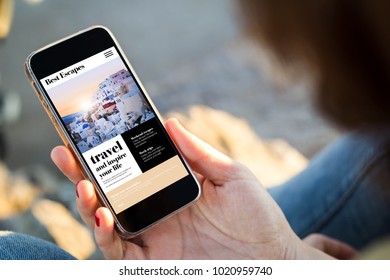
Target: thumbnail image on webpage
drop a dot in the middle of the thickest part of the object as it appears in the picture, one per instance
(115, 106)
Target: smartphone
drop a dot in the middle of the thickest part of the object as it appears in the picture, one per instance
(104, 115)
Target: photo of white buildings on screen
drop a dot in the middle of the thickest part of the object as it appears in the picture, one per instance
(117, 106)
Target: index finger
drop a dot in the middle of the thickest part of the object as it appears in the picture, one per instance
(66, 162)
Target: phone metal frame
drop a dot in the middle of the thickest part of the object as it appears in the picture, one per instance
(57, 122)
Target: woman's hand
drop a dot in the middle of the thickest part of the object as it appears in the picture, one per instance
(235, 218)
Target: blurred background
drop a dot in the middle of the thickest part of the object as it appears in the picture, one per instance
(195, 63)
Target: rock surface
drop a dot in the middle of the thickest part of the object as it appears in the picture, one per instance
(273, 161)
(233, 80)
(28, 205)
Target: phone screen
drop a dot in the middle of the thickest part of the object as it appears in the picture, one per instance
(114, 128)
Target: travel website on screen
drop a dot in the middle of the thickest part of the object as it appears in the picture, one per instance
(114, 128)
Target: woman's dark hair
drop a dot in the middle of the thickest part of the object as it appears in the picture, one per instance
(344, 43)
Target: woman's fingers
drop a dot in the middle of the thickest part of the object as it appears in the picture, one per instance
(106, 238)
(87, 202)
(330, 246)
(101, 221)
(66, 162)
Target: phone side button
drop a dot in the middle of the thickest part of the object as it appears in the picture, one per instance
(47, 108)
(37, 91)
(53, 120)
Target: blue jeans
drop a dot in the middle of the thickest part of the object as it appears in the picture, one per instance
(16, 246)
(343, 193)
(345, 190)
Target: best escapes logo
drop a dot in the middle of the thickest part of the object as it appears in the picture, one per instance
(64, 74)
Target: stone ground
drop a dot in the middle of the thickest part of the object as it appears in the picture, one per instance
(194, 64)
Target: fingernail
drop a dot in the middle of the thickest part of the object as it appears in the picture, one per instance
(77, 189)
(97, 220)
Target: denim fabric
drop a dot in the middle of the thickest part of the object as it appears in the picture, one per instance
(345, 190)
(15, 246)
